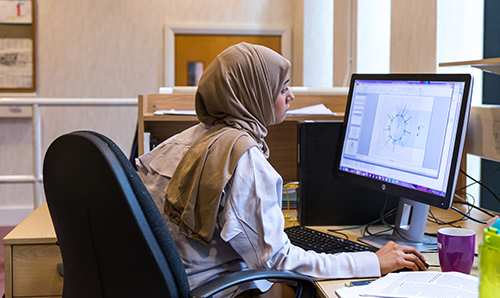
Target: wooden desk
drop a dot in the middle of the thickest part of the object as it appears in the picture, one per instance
(327, 288)
(31, 257)
(281, 139)
(31, 254)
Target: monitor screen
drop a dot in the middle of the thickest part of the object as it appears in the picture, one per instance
(404, 134)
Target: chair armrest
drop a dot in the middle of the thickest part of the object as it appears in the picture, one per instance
(305, 285)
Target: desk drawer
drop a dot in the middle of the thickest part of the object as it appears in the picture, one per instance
(35, 270)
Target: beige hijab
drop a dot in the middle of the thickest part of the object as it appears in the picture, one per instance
(235, 96)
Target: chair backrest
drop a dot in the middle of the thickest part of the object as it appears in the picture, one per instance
(113, 240)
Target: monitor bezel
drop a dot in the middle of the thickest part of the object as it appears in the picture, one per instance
(458, 148)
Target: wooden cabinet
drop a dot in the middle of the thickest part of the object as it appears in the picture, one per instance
(31, 258)
(281, 139)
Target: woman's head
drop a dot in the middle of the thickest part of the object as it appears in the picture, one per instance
(240, 88)
(282, 103)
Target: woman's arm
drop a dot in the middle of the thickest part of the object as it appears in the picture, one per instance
(253, 223)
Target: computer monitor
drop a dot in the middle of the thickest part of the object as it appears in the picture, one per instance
(404, 135)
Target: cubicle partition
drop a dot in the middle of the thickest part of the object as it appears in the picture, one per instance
(178, 107)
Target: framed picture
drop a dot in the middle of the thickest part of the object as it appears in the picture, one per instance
(17, 46)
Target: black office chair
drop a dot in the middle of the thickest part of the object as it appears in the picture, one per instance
(113, 240)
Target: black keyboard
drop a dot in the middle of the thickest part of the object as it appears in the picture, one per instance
(310, 239)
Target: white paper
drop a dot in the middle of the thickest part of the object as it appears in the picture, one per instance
(175, 112)
(418, 284)
(319, 109)
(16, 63)
(350, 292)
(147, 142)
(15, 11)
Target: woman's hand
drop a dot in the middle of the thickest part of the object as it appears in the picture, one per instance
(395, 256)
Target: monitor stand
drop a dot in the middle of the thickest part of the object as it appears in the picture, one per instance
(409, 228)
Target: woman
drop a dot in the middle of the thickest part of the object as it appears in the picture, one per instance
(220, 195)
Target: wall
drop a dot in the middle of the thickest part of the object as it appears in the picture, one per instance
(413, 36)
(25, 137)
(114, 49)
(107, 48)
(318, 43)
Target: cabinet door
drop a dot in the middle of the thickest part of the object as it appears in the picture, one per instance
(35, 270)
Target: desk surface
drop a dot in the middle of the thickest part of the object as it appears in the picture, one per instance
(38, 228)
(327, 288)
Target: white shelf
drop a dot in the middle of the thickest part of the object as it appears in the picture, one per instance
(490, 65)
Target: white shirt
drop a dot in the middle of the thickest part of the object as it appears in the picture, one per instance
(250, 222)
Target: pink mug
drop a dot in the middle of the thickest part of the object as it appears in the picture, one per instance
(456, 248)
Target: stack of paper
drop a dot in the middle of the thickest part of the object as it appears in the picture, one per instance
(175, 112)
(319, 109)
(417, 284)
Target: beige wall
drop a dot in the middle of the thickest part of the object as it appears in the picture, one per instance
(109, 48)
(114, 49)
(24, 141)
(413, 36)
(344, 45)
(105, 48)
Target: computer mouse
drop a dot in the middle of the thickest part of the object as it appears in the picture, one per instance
(409, 269)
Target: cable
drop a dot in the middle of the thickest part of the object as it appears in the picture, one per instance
(431, 217)
(409, 240)
(465, 216)
(475, 207)
(480, 183)
(471, 206)
(381, 219)
(355, 227)
(367, 225)
(468, 216)
(340, 233)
